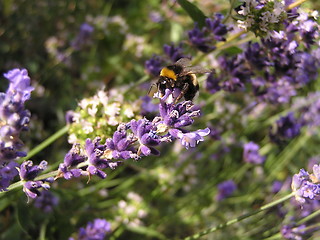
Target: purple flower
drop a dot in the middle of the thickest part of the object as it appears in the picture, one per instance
(293, 233)
(213, 83)
(225, 189)
(307, 67)
(28, 172)
(203, 39)
(216, 27)
(96, 230)
(145, 132)
(235, 73)
(96, 161)
(251, 153)
(280, 91)
(255, 55)
(84, 36)
(174, 53)
(14, 117)
(199, 40)
(71, 160)
(154, 65)
(286, 128)
(120, 145)
(190, 139)
(178, 115)
(276, 186)
(19, 86)
(305, 185)
(31, 188)
(148, 108)
(46, 201)
(155, 17)
(8, 170)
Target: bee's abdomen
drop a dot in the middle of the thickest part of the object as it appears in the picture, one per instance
(193, 86)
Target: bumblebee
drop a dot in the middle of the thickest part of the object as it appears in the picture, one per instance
(180, 75)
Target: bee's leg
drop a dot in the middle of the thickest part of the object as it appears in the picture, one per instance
(182, 93)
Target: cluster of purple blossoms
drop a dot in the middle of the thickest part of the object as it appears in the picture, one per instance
(306, 186)
(96, 230)
(225, 189)
(285, 128)
(28, 172)
(233, 76)
(251, 153)
(310, 111)
(84, 37)
(275, 68)
(174, 53)
(14, 119)
(214, 30)
(293, 232)
(134, 140)
(154, 65)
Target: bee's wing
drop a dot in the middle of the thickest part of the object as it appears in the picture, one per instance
(153, 89)
(195, 70)
(185, 62)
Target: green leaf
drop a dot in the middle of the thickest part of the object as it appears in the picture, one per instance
(194, 12)
(231, 51)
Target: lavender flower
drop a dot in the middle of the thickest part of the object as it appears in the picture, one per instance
(286, 128)
(235, 73)
(146, 135)
(225, 189)
(46, 201)
(216, 27)
(96, 230)
(198, 39)
(212, 82)
(190, 139)
(14, 119)
(71, 160)
(120, 146)
(8, 170)
(154, 65)
(84, 36)
(28, 172)
(251, 153)
(174, 53)
(305, 185)
(292, 232)
(96, 158)
(148, 108)
(134, 140)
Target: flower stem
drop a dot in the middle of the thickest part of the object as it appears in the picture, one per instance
(46, 143)
(238, 219)
(309, 217)
(295, 4)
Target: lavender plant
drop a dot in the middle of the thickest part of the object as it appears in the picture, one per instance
(159, 168)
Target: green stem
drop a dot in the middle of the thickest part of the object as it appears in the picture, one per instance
(309, 217)
(238, 219)
(46, 142)
(295, 4)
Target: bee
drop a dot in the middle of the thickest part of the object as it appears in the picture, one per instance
(181, 75)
